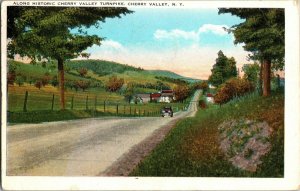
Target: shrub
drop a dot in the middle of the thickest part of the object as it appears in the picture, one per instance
(45, 79)
(232, 88)
(11, 77)
(114, 83)
(38, 84)
(82, 84)
(54, 82)
(20, 80)
(82, 71)
(204, 86)
(202, 104)
(30, 80)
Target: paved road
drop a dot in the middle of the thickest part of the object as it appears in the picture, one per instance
(84, 147)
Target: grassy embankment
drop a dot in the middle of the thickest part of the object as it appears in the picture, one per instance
(192, 147)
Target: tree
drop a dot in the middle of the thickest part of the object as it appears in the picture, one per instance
(223, 69)
(232, 88)
(38, 84)
(11, 77)
(204, 86)
(82, 84)
(129, 92)
(230, 68)
(48, 32)
(45, 79)
(82, 71)
(262, 33)
(20, 80)
(114, 83)
(54, 81)
(30, 80)
(181, 92)
(251, 73)
(11, 74)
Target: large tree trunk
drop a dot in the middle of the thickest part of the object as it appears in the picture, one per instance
(61, 79)
(266, 77)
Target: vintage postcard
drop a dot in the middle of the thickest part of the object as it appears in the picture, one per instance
(150, 95)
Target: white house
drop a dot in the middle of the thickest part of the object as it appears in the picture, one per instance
(167, 96)
(210, 98)
(141, 98)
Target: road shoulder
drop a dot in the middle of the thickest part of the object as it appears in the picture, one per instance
(126, 163)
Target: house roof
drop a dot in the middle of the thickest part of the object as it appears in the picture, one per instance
(143, 95)
(167, 94)
(155, 95)
(167, 91)
(209, 95)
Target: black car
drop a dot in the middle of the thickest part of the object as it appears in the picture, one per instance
(167, 111)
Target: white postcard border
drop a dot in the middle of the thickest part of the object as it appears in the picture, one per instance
(292, 136)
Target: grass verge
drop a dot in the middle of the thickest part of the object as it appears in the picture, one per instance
(61, 115)
(192, 147)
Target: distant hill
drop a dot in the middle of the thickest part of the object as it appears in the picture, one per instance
(170, 74)
(100, 67)
(103, 68)
(99, 71)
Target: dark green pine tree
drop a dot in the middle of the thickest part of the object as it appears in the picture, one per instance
(222, 70)
(45, 32)
(262, 33)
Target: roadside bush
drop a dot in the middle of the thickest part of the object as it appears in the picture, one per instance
(202, 104)
(181, 92)
(204, 86)
(232, 88)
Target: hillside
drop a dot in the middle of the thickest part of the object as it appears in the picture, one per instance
(100, 67)
(103, 68)
(194, 147)
(38, 71)
(169, 74)
(99, 72)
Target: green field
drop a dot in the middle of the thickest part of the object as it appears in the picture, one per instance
(95, 102)
(96, 99)
(192, 147)
(93, 99)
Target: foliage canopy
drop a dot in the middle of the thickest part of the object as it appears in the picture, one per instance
(262, 32)
(56, 33)
(223, 69)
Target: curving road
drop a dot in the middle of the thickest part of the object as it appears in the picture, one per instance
(85, 147)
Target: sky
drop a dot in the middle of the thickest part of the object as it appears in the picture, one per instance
(185, 41)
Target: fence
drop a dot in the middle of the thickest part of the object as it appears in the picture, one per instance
(38, 101)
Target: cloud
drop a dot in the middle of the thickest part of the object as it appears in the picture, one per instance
(190, 35)
(110, 44)
(176, 33)
(216, 29)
